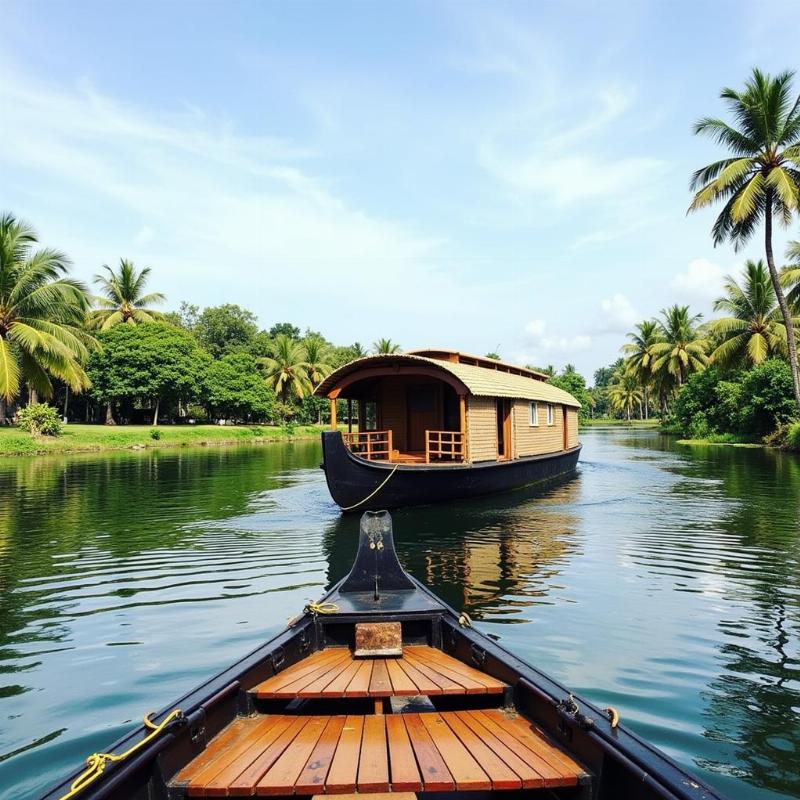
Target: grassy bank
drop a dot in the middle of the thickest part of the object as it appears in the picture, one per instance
(88, 438)
(634, 423)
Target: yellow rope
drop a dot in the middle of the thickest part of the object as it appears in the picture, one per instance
(613, 716)
(321, 608)
(373, 493)
(97, 762)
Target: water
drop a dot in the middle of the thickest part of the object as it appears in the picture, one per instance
(661, 580)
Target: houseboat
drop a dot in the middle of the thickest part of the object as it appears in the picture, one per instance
(436, 425)
(380, 690)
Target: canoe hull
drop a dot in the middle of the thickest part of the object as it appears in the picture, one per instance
(360, 485)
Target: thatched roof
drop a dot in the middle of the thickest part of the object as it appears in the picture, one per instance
(477, 380)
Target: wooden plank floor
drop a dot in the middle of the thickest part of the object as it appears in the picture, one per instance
(335, 673)
(452, 750)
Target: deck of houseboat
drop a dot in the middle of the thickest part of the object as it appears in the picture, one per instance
(385, 734)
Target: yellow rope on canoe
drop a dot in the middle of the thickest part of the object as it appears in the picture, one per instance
(613, 716)
(321, 608)
(372, 493)
(97, 762)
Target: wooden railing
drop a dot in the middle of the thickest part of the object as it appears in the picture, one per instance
(372, 445)
(444, 446)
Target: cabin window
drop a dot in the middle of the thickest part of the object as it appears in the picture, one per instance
(534, 414)
(549, 413)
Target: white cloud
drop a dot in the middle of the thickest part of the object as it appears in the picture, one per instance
(535, 327)
(541, 346)
(617, 314)
(700, 282)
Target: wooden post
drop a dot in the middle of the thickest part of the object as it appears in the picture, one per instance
(389, 435)
(427, 447)
(349, 414)
(362, 416)
(369, 448)
(333, 414)
(462, 406)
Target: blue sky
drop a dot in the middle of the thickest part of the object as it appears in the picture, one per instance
(481, 176)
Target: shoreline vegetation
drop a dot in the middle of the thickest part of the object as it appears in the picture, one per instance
(77, 438)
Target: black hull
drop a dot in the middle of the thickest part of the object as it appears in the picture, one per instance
(353, 481)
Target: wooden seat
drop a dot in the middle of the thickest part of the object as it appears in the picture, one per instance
(335, 673)
(449, 751)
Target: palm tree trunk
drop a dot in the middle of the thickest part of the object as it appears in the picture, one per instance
(33, 397)
(66, 402)
(2, 411)
(781, 297)
(155, 413)
(646, 403)
(109, 415)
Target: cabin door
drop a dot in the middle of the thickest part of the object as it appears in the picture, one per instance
(566, 432)
(503, 430)
(422, 415)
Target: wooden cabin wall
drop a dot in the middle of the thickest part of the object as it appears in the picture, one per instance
(392, 404)
(482, 428)
(533, 440)
(572, 427)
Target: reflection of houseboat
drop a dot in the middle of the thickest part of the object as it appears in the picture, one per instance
(438, 425)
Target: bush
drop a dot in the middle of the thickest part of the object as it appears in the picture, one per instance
(768, 397)
(40, 419)
(155, 433)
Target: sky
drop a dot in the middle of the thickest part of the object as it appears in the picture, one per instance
(481, 176)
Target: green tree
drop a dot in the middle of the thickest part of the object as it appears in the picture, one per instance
(385, 347)
(185, 317)
(681, 350)
(753, 330)
(767, 397)
(286, 370)
(154, 362)
(228, 328)
(41, 317)
(639, 352)
(318, 357)
(123, 299)
(790, 276)
(284, 329)
(625, 393)
(573, 382)
(495, 356)
(235, 389)
(761, 179)
(344, 355)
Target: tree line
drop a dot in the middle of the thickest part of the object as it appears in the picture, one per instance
(113, 356)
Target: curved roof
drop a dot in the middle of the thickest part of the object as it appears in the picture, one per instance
(479, 381)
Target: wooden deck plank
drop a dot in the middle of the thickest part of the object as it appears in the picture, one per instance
(245, 782)
(298, 671)
(230, 755)
(288, 766)
(523, 731)
(223, 740)
(531, 779)
(465, 770)
(373, 762)
(344, 767)
(423, 683)
(319, 684)
(433, 770)
(337, 687)
(500, 774)
(312, 778)
(293, 689)
(380, 684)
(552, 777)
(359, 686)
(218, 785)
(469, 685)
(402, 685)
(492, 684)
(446, 685)
(404, 775)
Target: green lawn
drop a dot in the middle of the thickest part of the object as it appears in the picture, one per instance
(86, 438)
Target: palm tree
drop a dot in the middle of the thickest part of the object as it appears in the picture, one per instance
(318, 358)
(761, 179)
(790, 276)
(41, 316)
(753, 330)
(681, 350)
(624, 393)
(385, 347)
(286, 369)
(640, 356)
(123, 299)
